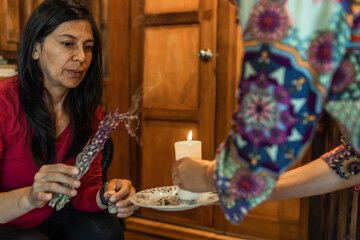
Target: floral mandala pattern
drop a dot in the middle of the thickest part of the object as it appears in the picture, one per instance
(239, 188)
(247, 185)
(262, 110)
(343, 77)
(350, 166)
(269, 22)
(344, 160)
(265, 115)
(320, 53)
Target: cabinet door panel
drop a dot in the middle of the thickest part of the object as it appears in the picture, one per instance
(171, 68)
(166, 6)
(10, 25)
(178, 89)
(12, 21)
(158, 150)
(13, 17)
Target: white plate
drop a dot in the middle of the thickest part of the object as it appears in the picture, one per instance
(165, 199)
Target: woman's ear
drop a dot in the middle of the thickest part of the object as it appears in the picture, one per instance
(36, 51)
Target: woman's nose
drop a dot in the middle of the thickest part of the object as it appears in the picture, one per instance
(79, 55)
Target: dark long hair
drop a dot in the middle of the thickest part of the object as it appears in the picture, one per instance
(80, 103)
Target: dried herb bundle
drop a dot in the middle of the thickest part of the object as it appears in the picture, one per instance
(94, 146)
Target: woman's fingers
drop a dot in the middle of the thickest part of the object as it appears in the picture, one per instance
(175, 179)
(175, 172)
(60, 168)
(59, 188)
(53, 187)
(125, 201)
(42, 196)
(122, 188)
(56, 177)
(126, 212)
(121, 198)
(52, 179)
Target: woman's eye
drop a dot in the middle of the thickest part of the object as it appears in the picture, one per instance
(67, 44)
(89, 47)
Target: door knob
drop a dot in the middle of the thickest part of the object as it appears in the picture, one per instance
(205, 55)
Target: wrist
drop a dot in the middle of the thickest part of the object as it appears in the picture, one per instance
(102, 190)
(25, 202)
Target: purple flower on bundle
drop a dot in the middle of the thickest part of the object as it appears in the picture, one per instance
(93, 147)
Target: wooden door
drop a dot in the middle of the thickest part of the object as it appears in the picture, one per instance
(177, 89)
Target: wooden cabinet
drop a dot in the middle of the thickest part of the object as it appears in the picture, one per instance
(13, 16)
(178, 89)
(10, 28)
(153, 58)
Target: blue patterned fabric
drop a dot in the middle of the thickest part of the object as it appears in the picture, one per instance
(300, 57)
(344, 160)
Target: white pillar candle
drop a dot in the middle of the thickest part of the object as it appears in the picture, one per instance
(189, 148)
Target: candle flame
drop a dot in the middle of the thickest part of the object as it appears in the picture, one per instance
(189, 137)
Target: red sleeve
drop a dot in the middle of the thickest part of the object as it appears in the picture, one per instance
(85, 200)
(3, 109)
(2, 144)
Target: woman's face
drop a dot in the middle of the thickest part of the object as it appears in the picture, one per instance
(65, 55)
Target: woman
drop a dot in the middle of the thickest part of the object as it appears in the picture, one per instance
(300, 58)
(48, 113)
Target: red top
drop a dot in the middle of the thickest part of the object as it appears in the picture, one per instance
(16, 167)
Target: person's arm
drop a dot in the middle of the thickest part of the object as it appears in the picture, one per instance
(311, 179)
(16, 200)
(48, 180)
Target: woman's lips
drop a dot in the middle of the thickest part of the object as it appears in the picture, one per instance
(75, 73)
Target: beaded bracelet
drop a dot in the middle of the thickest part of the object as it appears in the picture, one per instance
(102, 191)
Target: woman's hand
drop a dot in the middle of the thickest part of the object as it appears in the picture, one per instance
(48, 180)
(123, 190)
(194, 174)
